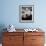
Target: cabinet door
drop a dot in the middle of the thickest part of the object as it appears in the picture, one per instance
(37, 40)
(27, 40)
(5, 41)
(18, 41)
(13, 40)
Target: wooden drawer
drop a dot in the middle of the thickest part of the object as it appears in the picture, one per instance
(34, 33)
(12, 39)
(37, 39)
(13, 44)
(27, 41)
(34, 39)
(37, 44)
(13, 33)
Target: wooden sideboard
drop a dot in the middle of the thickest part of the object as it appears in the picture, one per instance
(23, 39)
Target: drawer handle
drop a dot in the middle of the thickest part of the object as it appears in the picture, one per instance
(33, 39)
(11, 38)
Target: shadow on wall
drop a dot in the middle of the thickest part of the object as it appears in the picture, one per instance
(2, 26)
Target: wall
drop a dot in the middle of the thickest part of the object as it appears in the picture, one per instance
(10, 13)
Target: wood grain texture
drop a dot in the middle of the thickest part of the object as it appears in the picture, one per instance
(34, 39)
(13, 39)
(23, 39)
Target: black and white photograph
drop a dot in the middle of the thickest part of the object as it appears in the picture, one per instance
(26, 13)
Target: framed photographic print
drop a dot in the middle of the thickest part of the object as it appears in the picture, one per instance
(26, 13)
